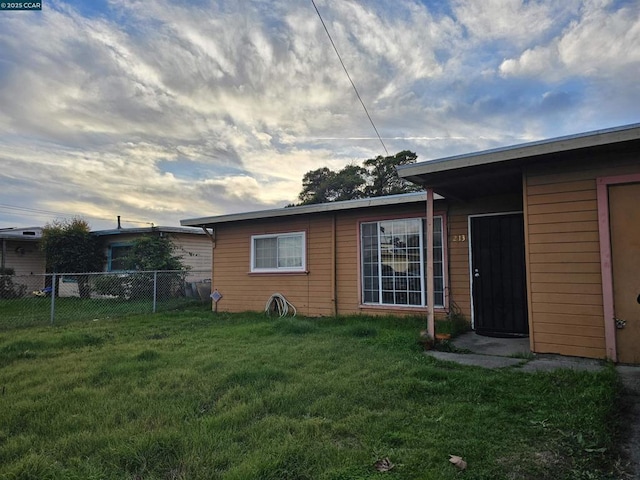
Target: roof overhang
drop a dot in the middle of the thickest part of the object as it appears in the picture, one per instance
(401, 199)
(30, 234)
(500, 170)
(146, 230)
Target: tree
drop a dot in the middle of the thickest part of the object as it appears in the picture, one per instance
(383, 177)
(324, 185)
(69, 247)
(314, 186)
(377, 177)
(153, 252)
(348, 184)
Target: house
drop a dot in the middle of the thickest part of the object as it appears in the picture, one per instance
(357, 256)
(543, 240)
(192, 245)
(20, 252)
(537, 239)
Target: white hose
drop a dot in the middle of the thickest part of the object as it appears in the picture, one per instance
(279, 304)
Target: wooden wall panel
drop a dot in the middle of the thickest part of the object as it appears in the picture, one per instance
(572, 226)
(312, 293)
(563, 253)
(195, 252)
(28, 263)
(564, 217)
(242, 290)
(548, 268)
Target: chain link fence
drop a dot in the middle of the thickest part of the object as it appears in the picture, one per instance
(27, 300)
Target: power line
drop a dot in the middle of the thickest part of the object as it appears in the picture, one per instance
(38, 213)
(349, 77)
(33, 210)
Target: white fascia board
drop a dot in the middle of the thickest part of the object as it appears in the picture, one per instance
(309, 209)
(533, 149)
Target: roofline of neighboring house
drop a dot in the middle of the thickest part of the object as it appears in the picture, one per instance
(141, 230)
(402, 198)
(18, 233)
(523, 151)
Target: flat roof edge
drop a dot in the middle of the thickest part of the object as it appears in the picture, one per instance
(526, 150)
(308, 209)
(136, 230)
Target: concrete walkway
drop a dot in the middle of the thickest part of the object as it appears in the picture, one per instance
(491, 352)
(488, 352)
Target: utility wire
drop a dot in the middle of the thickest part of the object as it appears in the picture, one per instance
(349, 77)
(36, 212)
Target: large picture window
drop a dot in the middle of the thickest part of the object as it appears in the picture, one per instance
(394, 262)
(283, 252)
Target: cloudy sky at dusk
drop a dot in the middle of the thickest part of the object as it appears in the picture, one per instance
(161, 110)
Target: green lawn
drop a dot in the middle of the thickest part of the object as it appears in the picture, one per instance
(36, 311)
(194, 395)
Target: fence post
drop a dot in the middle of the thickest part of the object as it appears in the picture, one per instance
(155, 289)
(53, 297)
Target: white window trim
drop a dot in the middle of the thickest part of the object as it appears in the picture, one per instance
(422, 268)
(302, 268)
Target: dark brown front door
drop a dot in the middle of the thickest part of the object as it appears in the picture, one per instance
(624, 218)
(498, 275)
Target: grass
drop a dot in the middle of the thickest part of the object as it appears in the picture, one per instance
(33, 311)
(194, 395)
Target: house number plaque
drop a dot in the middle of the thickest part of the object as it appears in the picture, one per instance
(458, 238)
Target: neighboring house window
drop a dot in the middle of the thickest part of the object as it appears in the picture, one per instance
(394, 262)
(116, 256)
(283, 252)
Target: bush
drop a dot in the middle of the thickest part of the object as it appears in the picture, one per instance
(139, 285)
(9, 289)
(115, 285)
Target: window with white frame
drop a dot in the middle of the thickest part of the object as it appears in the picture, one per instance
(394, 259)
(283, 252)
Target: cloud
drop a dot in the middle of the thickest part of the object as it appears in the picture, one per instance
(601, 43)
(161, 110)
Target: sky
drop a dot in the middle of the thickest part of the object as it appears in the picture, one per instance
(162, 110)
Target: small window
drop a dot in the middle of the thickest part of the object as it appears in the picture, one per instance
(283, 252)
(116, 256)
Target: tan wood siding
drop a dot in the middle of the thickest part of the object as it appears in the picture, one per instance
(348, 262)
(312, 293)
(242, 290)
(459, 288)
(563, 254)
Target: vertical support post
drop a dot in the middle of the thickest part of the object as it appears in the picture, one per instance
(155, 289)
(334, 283)
(4, 253)
(53, 297)
(431, 298)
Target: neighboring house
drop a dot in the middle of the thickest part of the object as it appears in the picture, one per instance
(192, 245)
(539, 239)
(20, 251)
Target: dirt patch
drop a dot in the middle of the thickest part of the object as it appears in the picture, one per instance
(630, 412)
(537, 466)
